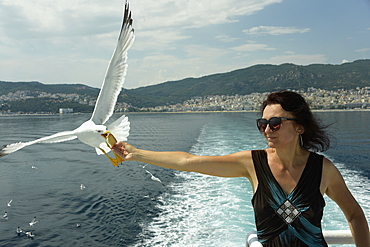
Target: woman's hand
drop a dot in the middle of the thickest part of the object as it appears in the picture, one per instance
(124, 150)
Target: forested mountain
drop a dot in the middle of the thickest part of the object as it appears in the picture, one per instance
(258, 78)
(34, 86)
(35, 97)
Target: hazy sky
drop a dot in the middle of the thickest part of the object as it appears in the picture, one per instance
(71, 41)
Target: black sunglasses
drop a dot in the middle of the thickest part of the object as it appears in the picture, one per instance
(274, 123)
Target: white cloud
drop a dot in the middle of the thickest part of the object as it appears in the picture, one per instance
(194, 13)
(252, 47)
(225, 38)
(159, 23)
(362, 50)
(272, 30)
(46, 16)
(43, 15)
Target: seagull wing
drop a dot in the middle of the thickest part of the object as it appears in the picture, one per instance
(58, 137)
(120, 128)
(115, 75)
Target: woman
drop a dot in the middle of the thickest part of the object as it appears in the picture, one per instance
(288, 178)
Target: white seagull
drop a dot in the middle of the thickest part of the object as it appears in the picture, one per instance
(82, 187)
(30, 234)
(19, 230)
(93, 132)
(34, 221)
(10, 203)
(154, 178)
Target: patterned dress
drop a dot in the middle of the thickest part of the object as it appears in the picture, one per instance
(289, 220)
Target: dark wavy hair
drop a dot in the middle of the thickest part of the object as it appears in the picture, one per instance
(315, 137)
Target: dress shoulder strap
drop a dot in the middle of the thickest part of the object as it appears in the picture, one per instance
(262, 169)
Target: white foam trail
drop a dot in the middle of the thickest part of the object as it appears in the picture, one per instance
(204, 210)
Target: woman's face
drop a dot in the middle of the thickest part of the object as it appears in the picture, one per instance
(287, 135)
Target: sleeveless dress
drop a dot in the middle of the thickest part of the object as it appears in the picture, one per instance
(288, 220)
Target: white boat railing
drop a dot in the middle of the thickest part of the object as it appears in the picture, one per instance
(252, 240)
(338, 237)
(331, 237)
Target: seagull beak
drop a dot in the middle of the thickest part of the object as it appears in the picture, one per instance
(105, 134)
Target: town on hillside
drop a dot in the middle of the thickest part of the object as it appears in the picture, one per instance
(358, 98)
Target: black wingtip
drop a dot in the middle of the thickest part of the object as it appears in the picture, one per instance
(127, 20)
(2, 154)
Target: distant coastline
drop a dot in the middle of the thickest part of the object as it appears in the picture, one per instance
(180, 112)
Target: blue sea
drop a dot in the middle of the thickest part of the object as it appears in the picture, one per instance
(125, 207)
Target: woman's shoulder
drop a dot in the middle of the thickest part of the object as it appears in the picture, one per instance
(331, 176)
(328, 166)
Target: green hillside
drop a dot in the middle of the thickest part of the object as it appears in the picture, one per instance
(259, 78)
(11, 87)
(46, 104)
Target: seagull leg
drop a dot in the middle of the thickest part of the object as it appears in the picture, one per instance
(115, 162)
(110, 140)
(118, 158)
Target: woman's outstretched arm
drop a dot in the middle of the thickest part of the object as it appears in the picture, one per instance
(232, 165)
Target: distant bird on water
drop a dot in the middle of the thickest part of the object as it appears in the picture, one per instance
(30, 234)
(93, 132)
(154, 178)
(82, 187)
(33, 222)
(19, 230)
